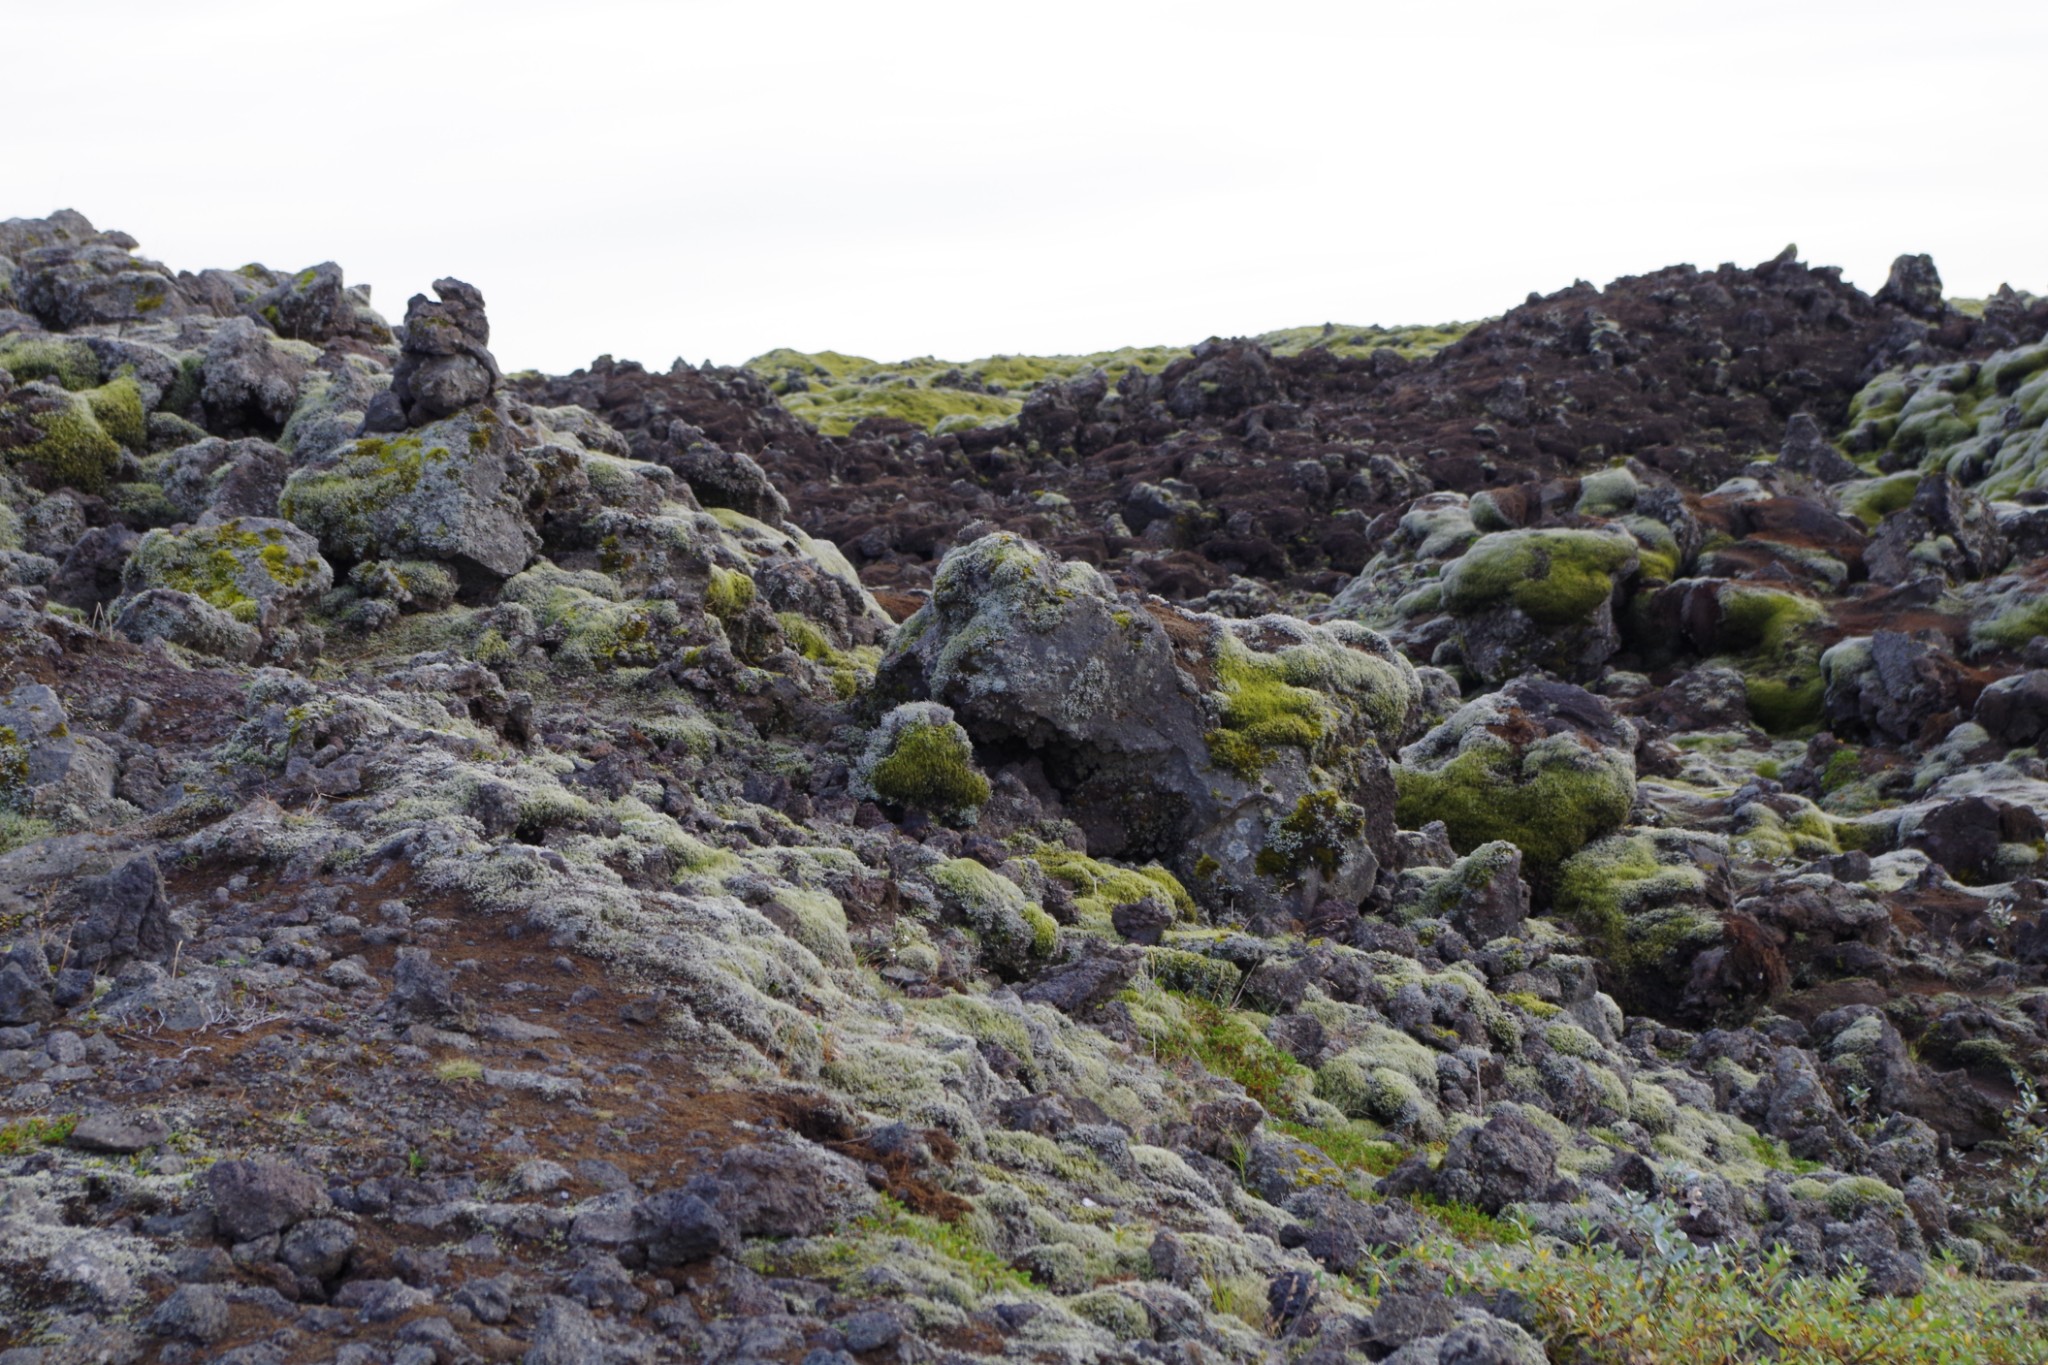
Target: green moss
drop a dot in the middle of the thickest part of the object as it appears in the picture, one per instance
(1470, 1225)
(1261, 711)
(1011, 927)
(337, 504)
(1193, 975)
(1387, 1077)
(1321, 829)
(1230, 1043)
(69, 362)
(582, 620)
(931, 768)
(117, 405)
(2014, 627)
(728, 593)
(1100, 887)
(1555, 577)
(25, 1135)
(1355, 1145)
(220, 564)
(1547, 804)
(73, 447)
(849, 670)
(1770, 633)
(1785, 706)
(17, 829)
(1872, 501)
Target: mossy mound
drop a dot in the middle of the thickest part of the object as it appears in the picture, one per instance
(584, 621)
(1983, 422)
(1012, 929)
(1771, 633)
(1303, 688)
(920, 758)
(251, 568)
(1554, 577)
(1604, 885)
(79, 437)
(62, 360)
(1550, 798)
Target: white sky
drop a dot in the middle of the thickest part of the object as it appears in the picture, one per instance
(898, 178)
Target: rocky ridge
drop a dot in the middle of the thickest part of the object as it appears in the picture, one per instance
(1257, 856)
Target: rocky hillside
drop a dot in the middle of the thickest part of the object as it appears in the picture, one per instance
(1472, 845)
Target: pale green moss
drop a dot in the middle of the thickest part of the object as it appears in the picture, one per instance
(1549, 803)
(580, 616)
(1603, 885)
(727, 593)
(1555, 577)
(930, 767)
(68, 361)
(1100, 887)
(1012, 929)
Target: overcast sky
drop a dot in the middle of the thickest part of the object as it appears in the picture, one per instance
(959, 179)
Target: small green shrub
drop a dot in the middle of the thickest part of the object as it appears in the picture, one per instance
(25, 1135)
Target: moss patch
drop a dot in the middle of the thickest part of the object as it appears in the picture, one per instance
(1546, 802)
(1555, 577)
(931, 767)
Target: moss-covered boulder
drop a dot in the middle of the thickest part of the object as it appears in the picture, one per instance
(456, 490)
(919, 759)
(1195, 740)
(58, 438)
(1547, 766)
(182, 619)
(1654, 903)
(1545, 599)
(258, 570)
(585, 621)
(1011, 929)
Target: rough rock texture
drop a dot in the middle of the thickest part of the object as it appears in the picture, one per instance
(1238, 841)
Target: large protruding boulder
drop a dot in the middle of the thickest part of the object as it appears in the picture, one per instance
(445, 363)
(454, 490)
(1247, 755)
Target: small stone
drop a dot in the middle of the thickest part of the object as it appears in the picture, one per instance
(119, 1133)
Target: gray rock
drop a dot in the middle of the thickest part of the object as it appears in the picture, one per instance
(249, 381)
(1483, 895)
(185, 620)
(25, 995)
(2014, 710)
(791, 1189)
(119, 1132)
(119, 918)
(445, 363)
(728, 479)
(676, 1228)
(1946, 529)
(1889, 684)
(566, 1335)
(89, 575)
(871, 1330)
(1079, 988)
(1914, 285)
(1804, 450)
(194, 1312)
(257, 1198)
(318, 1248)
(1506, 1160)
(1136, 714)
(225, 478)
